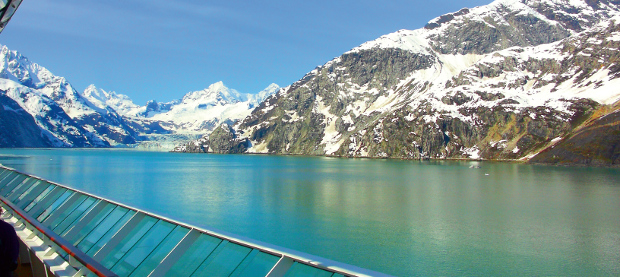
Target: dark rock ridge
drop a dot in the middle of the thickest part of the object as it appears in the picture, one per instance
(596, 143)
(223, 140)
(503, 81)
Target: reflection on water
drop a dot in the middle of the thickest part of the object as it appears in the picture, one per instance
(404, 218)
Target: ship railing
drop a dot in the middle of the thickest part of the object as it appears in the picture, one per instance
(73, 233)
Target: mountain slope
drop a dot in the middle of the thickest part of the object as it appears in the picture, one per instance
(597, 142)
(17, 127)
(501, 81)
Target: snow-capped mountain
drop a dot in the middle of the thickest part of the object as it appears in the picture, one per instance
(205, 109)
(198, 112)
(40, 109)
(502, 81)
(64, 117)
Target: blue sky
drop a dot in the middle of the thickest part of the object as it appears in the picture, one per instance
(161, 49)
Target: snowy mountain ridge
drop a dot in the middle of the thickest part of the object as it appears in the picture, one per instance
(207, 108)
(572, 16)
(198, 112)
(502, 81)
(98, 118)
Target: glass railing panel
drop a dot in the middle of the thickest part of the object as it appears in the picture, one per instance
(90, 227)
(9, 176)
(47, 202)
(76, 214)
(159, 253)
(20, 189)
(104, 231)
(194, 256)
(63, 197)
(60, 215)
(3, 175)
(33, 186)
(48, 188)
(3, 182)
(128, 242)
(257, 264)
(302, 270)
(29, 195)
(7, 182)
(225, 259)
(136, 255)
(24, 189)
(14, 184)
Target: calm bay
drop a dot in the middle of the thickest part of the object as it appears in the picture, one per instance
(404, 218)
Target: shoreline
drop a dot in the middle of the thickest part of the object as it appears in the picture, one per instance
(517, 161)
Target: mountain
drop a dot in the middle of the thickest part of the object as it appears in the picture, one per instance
(204, 110)
(502, 81)
(64, 117)
(40, 109)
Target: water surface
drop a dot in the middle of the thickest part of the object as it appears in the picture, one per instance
(405, 218)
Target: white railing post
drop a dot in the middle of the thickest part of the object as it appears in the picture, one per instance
(283, 265)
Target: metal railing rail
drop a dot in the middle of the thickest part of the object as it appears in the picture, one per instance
(132, 242)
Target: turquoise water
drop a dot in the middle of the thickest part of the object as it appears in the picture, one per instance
(405, 218)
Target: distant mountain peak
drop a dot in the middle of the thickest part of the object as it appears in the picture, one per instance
(14, 66)
(217, 92)
(103, 99)
(264, 94)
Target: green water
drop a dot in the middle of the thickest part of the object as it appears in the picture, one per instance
(404, 218)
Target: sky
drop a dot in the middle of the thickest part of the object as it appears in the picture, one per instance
(161, 49)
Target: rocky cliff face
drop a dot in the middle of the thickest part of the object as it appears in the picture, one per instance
(596, 142)
(502, 81)
(223, 140)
